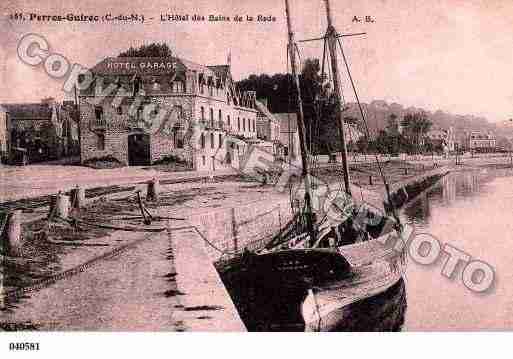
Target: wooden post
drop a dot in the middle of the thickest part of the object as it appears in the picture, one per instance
(234, 230)
(51, 210)
(59, 206)
(78, 197)
(153, 190)
(12, 233)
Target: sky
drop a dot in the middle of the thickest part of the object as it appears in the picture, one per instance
(453, 55)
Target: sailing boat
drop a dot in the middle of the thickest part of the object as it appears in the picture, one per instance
(318, 265)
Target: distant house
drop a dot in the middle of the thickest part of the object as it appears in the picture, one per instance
(37, 130)
(282, 130)
(478, 141)
(268, 126)
(279, 132)
(289, 136)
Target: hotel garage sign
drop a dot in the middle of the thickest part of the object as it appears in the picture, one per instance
(142, 65)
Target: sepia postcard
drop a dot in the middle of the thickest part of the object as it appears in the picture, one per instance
(255, 166)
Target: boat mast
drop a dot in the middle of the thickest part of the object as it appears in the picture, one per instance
(301, 130)
(331, 36)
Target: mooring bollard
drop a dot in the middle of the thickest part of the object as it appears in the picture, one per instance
(153, 190)
(12, 233)
(59, 206)
(63, 205)
(78, 197)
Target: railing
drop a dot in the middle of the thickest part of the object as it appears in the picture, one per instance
(216, 125)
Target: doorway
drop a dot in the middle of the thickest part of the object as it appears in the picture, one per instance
(139, 150)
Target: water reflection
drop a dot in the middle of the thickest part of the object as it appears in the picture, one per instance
(472, 211)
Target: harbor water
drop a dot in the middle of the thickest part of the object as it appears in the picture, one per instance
(471, 211)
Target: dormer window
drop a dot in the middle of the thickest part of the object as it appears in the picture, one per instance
(156, 85)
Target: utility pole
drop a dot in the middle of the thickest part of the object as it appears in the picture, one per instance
(331, 35)
(301, 130)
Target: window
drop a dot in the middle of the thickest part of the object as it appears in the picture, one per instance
(178, 86)
(210, 84)
(203, 142)
(201, 82)
(139, 114)
(178, 135)
(243, 124)
(202, 114)
(220, 140)
(254, 125)
(238, 123)
(98, 112)
(119, 110)
(100, 144)
(137, 85)
(211, 140)
(228, 119)
(203, 158)
(211, 117)
(220, 116)
(179, 111)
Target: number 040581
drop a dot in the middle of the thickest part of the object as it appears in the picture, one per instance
(24, 346)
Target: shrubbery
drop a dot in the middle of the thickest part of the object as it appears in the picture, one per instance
(103, 162)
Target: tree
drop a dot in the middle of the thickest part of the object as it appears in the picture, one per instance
(415, 127)
(151, 50)
(320, 111)
(392, 125)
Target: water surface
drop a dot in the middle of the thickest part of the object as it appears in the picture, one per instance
(472, 211)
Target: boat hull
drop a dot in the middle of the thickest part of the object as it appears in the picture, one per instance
(319, 290)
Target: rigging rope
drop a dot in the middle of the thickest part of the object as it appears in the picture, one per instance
(367, 134)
